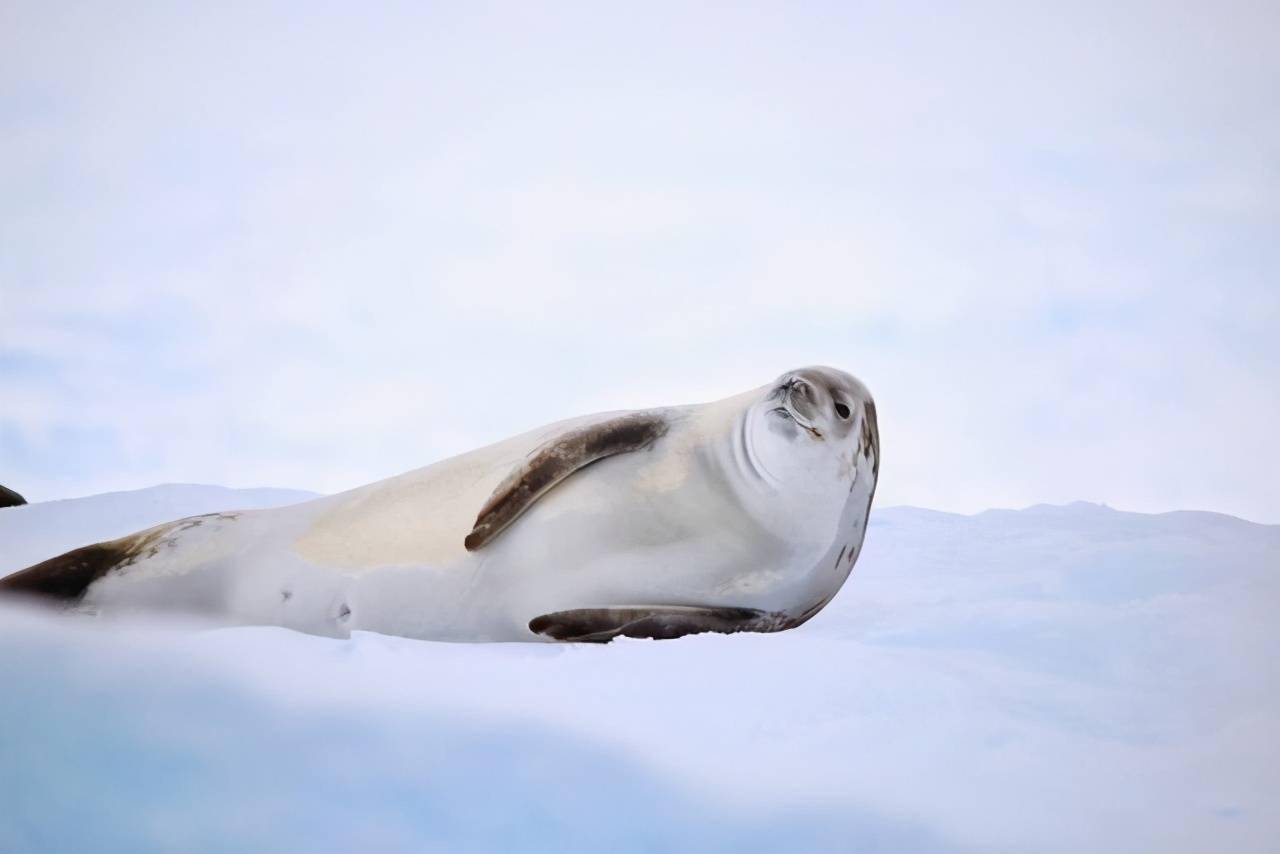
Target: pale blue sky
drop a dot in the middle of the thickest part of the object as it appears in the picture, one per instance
(313, 245)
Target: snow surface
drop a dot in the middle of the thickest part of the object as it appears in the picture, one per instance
(1051, 679)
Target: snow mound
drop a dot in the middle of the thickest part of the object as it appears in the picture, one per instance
(1052, 679)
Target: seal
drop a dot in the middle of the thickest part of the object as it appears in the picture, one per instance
(745, 514)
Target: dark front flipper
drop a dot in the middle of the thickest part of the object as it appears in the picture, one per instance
(9, 498)
(555, 460)
(659, 622)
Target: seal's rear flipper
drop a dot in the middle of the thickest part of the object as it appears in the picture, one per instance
(658, 622)
(9, 498)
(66, 577)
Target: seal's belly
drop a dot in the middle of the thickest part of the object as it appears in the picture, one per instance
(584, 552)
(494, 598)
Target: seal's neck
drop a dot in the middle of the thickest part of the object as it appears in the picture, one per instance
(749, 460)
(779, 498)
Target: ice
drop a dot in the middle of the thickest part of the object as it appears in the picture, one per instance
(1059, 678)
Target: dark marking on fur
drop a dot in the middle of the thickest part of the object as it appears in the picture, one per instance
(871, 437)
(853, 553)
(286, 595)
(805, 615)
(601, 625)
(9, 498)
(196, 521)
(839, 557)
(556, 460)
(344, 612)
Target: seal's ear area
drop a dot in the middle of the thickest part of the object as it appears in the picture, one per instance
(66, 577)
(555, 460)
(658, 622)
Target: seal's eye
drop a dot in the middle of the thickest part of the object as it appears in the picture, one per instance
(842, 410)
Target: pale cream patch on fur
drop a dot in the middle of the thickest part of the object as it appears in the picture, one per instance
(670, 470)
(418, 519)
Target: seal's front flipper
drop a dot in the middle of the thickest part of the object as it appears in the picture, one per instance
(658, 622)
(555, 460)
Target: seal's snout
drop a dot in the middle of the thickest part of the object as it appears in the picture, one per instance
(798, 389)
(801, 388)
(806, 397)
(797, 400)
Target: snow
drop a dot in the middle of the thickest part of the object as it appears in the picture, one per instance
(1050, 679)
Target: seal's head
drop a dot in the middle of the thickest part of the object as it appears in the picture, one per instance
(814, 427)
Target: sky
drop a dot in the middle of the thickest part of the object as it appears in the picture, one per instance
(315, 245)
